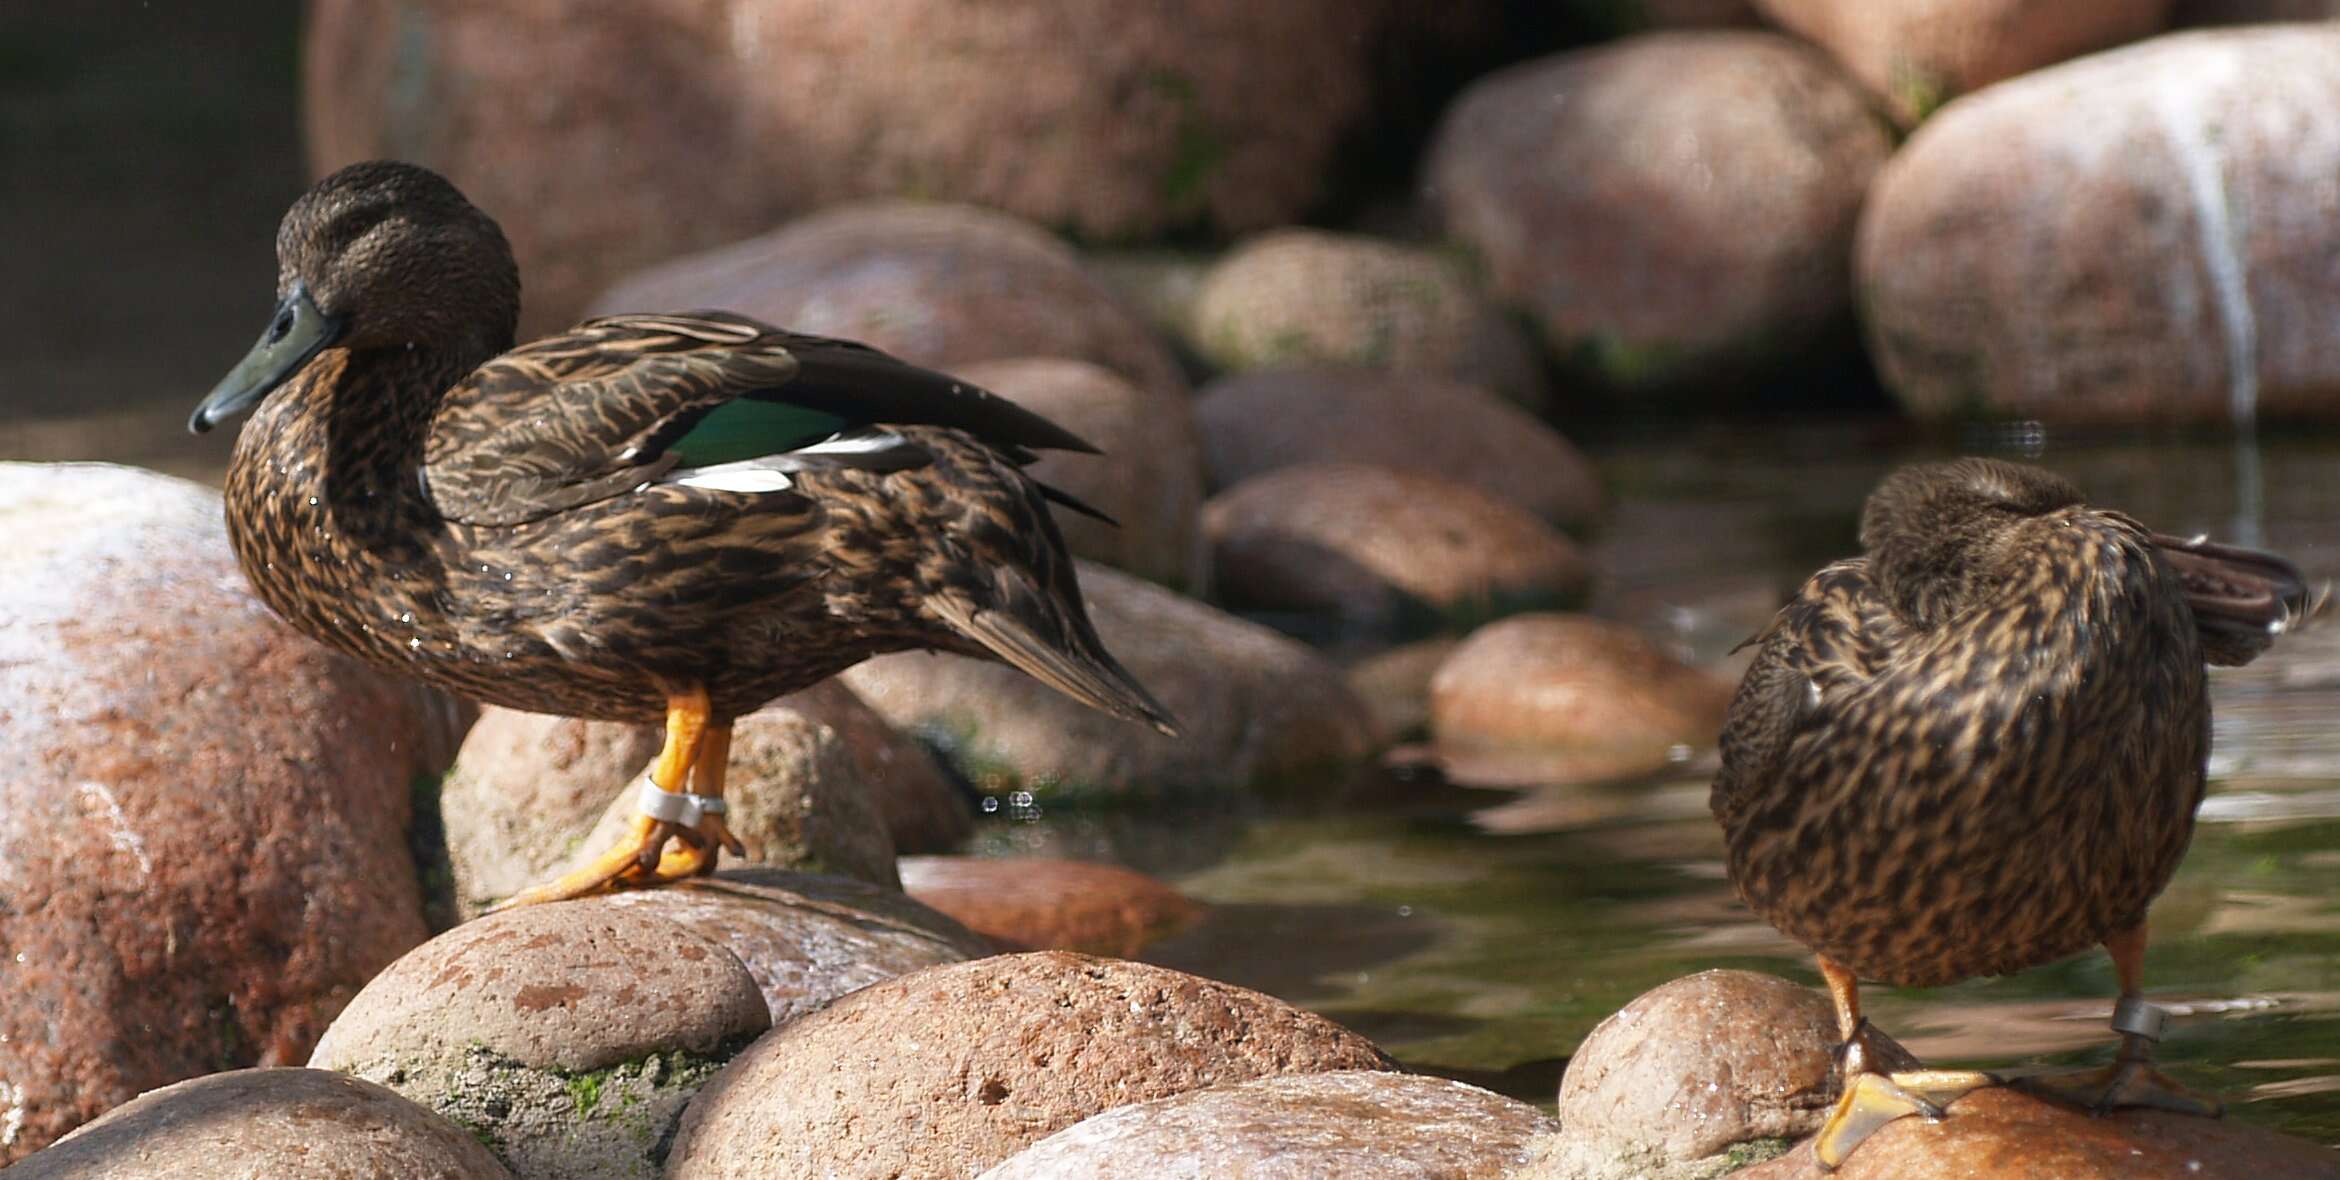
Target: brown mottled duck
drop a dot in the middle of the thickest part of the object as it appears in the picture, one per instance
(644, 518)
(1978, 748)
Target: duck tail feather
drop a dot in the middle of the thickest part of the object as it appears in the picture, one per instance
(1080, 670)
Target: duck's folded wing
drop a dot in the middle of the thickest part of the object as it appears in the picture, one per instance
(1827, 642)
(706, 399)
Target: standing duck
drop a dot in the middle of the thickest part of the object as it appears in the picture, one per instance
(1978, 749)
(644, 518)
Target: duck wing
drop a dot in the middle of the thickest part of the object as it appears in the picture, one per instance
(704, 399)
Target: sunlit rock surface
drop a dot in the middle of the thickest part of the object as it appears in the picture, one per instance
(203, 850)
(1029, 903)
(2140, 235)
(1915, 55)
(566, 1036)
(1671, 210)
(1358, 1125)
(950, 1070)
(267, 1122)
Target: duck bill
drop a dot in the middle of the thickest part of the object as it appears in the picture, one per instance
(296, 332)
(2244, 596)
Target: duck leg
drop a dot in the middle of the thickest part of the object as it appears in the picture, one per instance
(1872, 1099)
(668, 812)
(2131, 1079)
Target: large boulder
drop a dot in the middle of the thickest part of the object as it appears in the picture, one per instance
(2140, 235)
(1918, 54)
(1354, 1124)
(267, 1122)
(814, 776)
(204, 854)
(1256, 708)
(1380, 548)
(1257, 422)
(936, 285)
(1149, 478)
(611, 136)
(567, 1037)
(1670, 209)
(947, 1071)
(1302, 297)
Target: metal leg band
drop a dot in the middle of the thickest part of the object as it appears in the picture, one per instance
(2133, 1016)
(677, 807)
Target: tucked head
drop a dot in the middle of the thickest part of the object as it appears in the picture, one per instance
(1935, 531)
(378, 255)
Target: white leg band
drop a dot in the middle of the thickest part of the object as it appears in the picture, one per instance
(2133, 1016)
(677, 807)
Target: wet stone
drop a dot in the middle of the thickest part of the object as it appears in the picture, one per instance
(307, 1123)
(566, 1036)
(1357, 1125)
(947, 1071)
(1029, 903)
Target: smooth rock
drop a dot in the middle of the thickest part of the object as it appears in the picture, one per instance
(204, 854)
(1672, 210)
(531, 795)
(1552, 698)
(1918, 54)
(1381, 548)
(936, 285)
(1149, 478)
(1303, 297)
(307, 1123)
(1031, 903)
(2141, 235)
(1257, 709)
(808, 938)
(2008, 1135)
(566, 1036)
(1358, 1125)
(1669, 1085)
(950, 1070)
(1258, 422)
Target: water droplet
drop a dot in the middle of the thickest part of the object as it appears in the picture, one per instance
(414, 644)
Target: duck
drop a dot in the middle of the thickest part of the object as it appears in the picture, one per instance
(657, 518)
(1978, 748)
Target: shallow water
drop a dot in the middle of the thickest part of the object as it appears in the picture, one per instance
(1483, 934)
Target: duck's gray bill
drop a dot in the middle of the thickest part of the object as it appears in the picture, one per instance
(295, 333)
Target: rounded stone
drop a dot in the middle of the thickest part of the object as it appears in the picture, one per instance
(204, 854)
(1382, 549)
(1256, 709)
(952, 1069)
(811, 778)
(1673, 210)
(568, 1036)
(1552, 698)
(1918, 54)
(807, 938)
(1395, 685)
(309, 1123)
(1695, 1066)
(1029, 903)
(2008, 1135)
(2140, 235)
(1302, 297)
(936, 285)
(1358, 1125)
(1258, 422)
(1148, 479)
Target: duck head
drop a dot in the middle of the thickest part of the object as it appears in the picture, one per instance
(1936, 533)
(379, 255)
